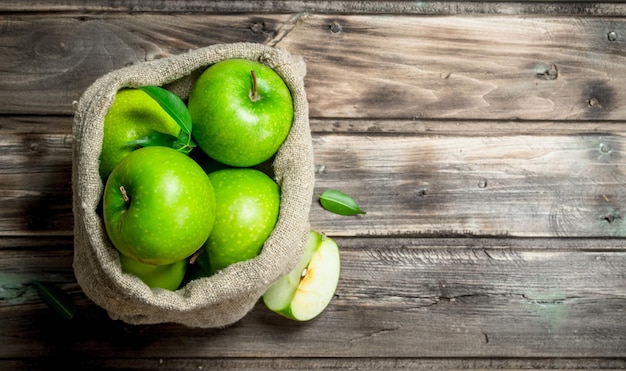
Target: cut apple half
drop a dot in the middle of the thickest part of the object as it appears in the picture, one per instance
(307, 290)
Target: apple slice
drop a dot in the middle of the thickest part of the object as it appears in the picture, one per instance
(308, 289)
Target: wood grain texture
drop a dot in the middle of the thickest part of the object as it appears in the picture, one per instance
(505, 185)
(485, 140)
(410, 180)
(554, 7)
(324, 363)
(471, 67)
(500, 67)
(35, 181)
(393, 300)
(47, 62)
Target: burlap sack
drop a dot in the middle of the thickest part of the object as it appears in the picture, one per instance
(226, 297)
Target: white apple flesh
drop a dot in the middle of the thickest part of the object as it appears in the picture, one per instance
(307, 290)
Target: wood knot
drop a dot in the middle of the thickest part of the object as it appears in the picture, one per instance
(258, 27)
(594, 103)
(610, 218)
(605, 148)
(551, 73)
(335, 27)
(545, 71)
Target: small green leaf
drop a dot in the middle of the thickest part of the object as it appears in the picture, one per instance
(57, 299)
(172, 104)
(339, 203)
(184, 143)
(155, 139)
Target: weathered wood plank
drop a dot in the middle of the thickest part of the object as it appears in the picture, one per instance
(505, 185)
(48, 258)
(35, 181)
(460, 67)
(499, 67)
(555, 7)
(46, 62)
(325, 363)
(449, 131)
(393, 300)
(412, 177)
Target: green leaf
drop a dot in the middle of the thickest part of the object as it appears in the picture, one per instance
(184, 143)
(339, 203)
(172, 104)
(57, 299)
(155, 139)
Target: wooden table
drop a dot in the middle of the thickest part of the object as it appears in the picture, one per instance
(486, 141)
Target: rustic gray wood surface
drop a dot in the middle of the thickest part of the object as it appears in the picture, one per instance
(484, 140)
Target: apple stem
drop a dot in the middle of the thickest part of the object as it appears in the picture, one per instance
(195, 255)
(124, 194)
(254, 94)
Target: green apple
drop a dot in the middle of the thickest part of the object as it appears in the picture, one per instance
(168, 276)
(133, 115)
(308, 289)
(158, 206)
(246, 208)
(242, 112)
